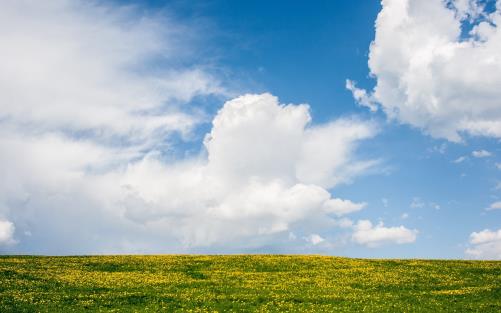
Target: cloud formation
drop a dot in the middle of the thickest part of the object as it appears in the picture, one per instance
(6, 232)
(485, 244)
(422, 61)
(494, 206)
(87, 129)
(315, 239)
(249, 188)
(79, 99)
(252, 182)
(375, 235)
(79, 68)
(481, 153)
(255, 180)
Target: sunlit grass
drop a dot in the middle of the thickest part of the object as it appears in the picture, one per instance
(246, 283)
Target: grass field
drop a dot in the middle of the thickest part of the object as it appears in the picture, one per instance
(246, 283)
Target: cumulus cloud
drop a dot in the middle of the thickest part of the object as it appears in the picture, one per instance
(252, 181)
(485, 244)
(342, 207)
(86, 132)
(6, 232)
(494, 206)
(249, 188)
(375, 235)
(433, 76)
(315, 239)
(481, 154)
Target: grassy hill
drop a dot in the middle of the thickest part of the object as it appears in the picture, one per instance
(246, 283)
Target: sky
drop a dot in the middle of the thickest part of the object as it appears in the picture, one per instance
(351, 128)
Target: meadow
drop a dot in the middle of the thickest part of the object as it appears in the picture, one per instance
(243, 283)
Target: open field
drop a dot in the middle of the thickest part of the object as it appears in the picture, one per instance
(246, 283)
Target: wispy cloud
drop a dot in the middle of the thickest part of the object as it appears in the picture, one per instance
(361, 96)
(6, 233)
(461, 159)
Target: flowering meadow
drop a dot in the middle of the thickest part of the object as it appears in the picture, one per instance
(242, 283)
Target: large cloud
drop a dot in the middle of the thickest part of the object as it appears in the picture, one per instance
(78, 96)
(250, 188)
(86, 129)
(253, 181)
(431, 73)
(485, 244)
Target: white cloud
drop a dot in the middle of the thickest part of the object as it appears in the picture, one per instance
(461, 159)
(244, 185)
(468, 9)
(79, 67)
(361, 96)
(375, 235)
(85, 135)
(342, 207)
(485, 244)
(332, 164)
(79, 103)
(494, 206)
(498, 166)
(247, 184)
(6, 232)
(344, 223)
(419, 59)
(481, 154)
(315, 239)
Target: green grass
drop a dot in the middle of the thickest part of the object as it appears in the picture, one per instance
(246, 283)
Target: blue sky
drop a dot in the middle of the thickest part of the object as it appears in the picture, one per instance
(150, 127)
